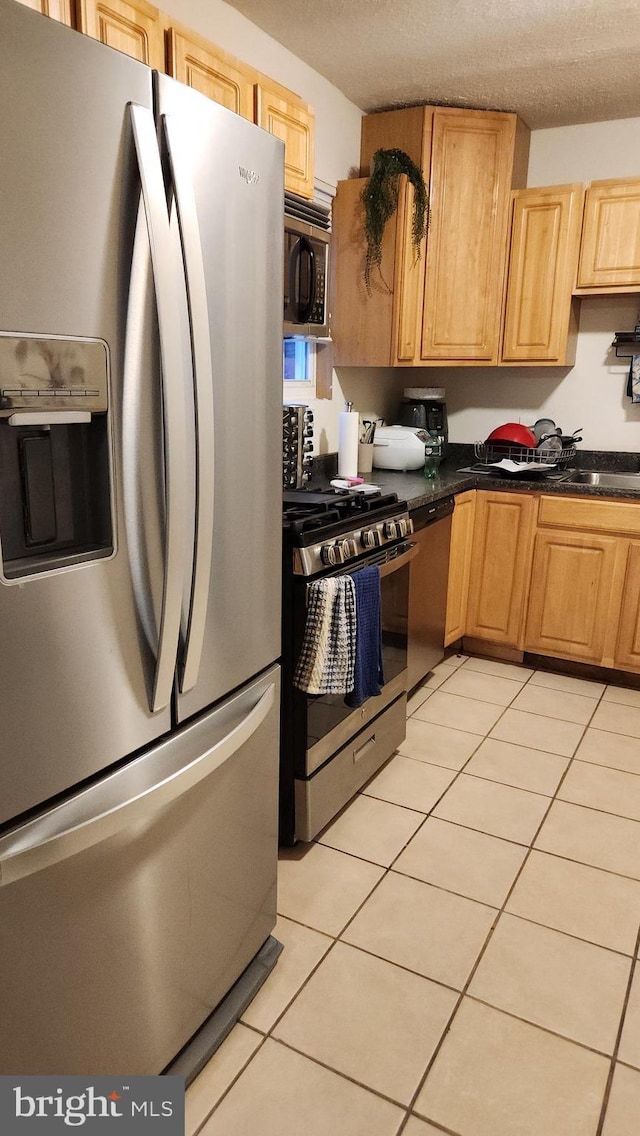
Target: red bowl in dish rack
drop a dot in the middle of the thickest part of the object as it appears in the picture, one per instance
(513, 434)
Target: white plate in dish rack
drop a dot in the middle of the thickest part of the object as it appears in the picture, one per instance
(522, 467)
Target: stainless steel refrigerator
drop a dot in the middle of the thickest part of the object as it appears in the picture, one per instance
(140, 484)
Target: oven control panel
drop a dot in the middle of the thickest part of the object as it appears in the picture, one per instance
(347, 548)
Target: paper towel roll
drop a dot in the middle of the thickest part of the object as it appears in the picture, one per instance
(348, 438)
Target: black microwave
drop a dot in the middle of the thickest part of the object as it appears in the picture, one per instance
(306, 279)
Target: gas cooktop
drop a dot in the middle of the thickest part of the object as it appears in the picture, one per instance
(307, 510)
(327, 527)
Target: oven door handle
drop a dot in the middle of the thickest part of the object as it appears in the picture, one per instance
(398, 562)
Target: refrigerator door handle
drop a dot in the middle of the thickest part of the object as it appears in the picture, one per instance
(173, 386)
(48, 840)
(203, 393)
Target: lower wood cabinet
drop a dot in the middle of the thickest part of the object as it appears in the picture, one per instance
(627, 650)
(500, 565)
(572, 582)
(550, 574)
(459, 566)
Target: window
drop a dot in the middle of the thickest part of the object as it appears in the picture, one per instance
(298, 369)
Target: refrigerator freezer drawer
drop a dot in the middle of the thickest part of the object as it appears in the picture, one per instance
(134, 906)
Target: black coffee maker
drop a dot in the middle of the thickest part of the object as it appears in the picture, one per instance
(426, 409)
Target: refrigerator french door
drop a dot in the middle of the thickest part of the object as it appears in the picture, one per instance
(138, 755)
(235, 183)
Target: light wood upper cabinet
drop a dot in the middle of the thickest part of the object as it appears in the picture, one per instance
(443, 306)
(362, 324)
(60, 10)
(459, 566)
(471, 179)
(541, 317)
(379, 326)
(134, 28)
(500, 565)
(226, 80)
(211, 71)
(610, 249)
(279, 112)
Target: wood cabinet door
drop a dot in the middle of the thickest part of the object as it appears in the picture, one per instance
(293, 122)
(408, 285)
(627, 652)
(543, 257)
(500, 566)
(459, 566)
(610, 249)
(211, 71)
(361, 321)
(134, 28)
(411, 130)
(60, 10)
(471, 170)
(572, 583)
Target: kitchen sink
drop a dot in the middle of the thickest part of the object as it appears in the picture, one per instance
(606, 480)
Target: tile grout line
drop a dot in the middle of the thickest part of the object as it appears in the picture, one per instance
(386, 869)
(616, 1048)
(489, 937)
(499, 912)
(227, 1090)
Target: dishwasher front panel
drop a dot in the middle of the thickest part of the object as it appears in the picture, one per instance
(428, 597)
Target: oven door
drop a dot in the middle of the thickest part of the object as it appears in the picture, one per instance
(330, 722)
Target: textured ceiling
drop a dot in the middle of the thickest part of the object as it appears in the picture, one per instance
(554, 62)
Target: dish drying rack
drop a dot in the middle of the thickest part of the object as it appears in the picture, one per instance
(627, 343)
(488, 454)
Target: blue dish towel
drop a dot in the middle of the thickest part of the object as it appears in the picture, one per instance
(368, 676)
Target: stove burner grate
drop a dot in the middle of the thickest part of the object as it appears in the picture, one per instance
(308, 510)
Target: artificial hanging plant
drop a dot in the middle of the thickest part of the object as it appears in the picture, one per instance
(380, 200)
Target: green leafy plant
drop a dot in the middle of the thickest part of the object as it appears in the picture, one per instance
(380, 200)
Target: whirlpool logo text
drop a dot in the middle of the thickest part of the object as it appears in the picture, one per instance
(131, 1106)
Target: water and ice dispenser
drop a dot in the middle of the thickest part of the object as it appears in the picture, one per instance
(55, 484)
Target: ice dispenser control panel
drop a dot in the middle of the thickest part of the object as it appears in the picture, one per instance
(52, 374)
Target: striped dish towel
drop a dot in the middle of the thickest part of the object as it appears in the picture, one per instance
(327, 659)
(633, 382)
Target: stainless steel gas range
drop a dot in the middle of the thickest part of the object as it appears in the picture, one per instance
(329, 749)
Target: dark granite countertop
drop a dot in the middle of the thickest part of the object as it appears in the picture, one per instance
(416, 490)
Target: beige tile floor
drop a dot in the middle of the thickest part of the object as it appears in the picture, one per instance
(462, 941)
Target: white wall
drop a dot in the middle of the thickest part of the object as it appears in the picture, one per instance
(337, 131)
(591, 395)
(584, 153)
